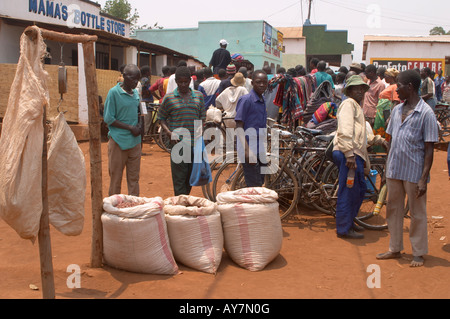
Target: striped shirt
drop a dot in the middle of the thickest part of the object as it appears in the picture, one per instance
(407, 153)
(179, 114)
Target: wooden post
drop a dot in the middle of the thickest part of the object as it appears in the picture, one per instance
(95, 154)
(94, 149)
(45, 247)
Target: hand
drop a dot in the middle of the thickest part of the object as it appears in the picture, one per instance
(421, 188)
(135, 130)
(351, 162)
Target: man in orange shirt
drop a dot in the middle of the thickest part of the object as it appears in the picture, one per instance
(157, 88)
(376, 86)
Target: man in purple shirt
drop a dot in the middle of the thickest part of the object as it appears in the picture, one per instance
(251, 117)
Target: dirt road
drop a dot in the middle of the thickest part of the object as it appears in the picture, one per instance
(313, 262)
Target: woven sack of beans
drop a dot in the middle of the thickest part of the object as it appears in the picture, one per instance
(251, 225)
(195, 232)
(135, 235)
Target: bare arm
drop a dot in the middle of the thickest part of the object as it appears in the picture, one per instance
(135, 130)
(429, 154)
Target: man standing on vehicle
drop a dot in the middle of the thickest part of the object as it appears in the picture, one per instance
(414, 131)
(220, 58)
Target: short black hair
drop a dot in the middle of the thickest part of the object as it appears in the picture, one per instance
(258, 72)
(145, 70)
(181, 63)
(321, 66)
(207, 72)
(314, 61)
(165, 70)
(371, 68)
(182, 72)
(410, 76)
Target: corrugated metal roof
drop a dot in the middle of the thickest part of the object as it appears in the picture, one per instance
(291, 32)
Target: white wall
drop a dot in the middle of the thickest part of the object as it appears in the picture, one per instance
(407, 50)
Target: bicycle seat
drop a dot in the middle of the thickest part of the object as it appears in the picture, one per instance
(324, 138)
(311, 131)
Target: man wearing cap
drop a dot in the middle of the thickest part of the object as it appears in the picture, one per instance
(221, 57)
(350, 152)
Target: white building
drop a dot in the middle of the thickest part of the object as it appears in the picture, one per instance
(408, 52)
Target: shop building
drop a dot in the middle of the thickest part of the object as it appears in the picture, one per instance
(257, 41)
(408, 52)
(113, 48)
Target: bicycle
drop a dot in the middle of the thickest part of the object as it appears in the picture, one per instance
(154, 131)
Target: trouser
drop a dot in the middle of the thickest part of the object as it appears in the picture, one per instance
(181, 174)
(118, 159)
(397, 190)
(252, 174)
(349, 200)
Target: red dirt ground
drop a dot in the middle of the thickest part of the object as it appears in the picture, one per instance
(313, 262)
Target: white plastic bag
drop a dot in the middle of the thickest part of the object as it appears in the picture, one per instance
(66, 180)
(21, 141)
(195, 232)
(214, 114)
(251, 225)
(135, 235)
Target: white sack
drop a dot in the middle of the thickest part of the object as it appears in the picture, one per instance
(135, 238)
(22, 140)
(195, 232)
(66, 179)
(251, 225)
(213, 114)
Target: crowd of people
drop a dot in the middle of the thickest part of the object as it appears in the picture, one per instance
(363, 105)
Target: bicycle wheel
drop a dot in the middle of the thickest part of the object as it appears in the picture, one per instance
(330, 184)
(224, 178)
(372, 214)
(375, 217)
(164, 141)
(284, 183)
(215, 164)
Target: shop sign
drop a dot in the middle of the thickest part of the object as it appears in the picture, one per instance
(409, 63)
(73, 15)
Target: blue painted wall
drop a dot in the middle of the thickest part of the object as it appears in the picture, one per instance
(244, 37)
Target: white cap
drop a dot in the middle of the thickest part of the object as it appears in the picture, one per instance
(223, 42)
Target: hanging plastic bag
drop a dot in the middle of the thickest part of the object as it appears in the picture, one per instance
(21, 141)
(201, 171)
(66, 180)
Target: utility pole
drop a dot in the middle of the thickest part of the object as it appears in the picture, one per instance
(309, 10)
(308, 20)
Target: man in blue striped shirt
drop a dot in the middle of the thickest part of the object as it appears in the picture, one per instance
(414, 130)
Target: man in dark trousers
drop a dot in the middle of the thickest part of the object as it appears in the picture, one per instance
(220, 58)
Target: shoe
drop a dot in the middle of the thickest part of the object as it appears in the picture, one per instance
(358, 228)
(351, 234)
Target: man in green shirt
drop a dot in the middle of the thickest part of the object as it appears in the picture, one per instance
(177, 114)
(321, 75)
(124, 147)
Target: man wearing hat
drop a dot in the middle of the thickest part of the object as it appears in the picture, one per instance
(227, 100)
(350, 153)
(221, 57)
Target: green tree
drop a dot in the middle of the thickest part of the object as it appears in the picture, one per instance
(121, 9)
(438, 31)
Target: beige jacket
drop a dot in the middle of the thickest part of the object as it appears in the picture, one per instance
(352, 134)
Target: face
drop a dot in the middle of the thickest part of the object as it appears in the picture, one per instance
(183, 84)
(356, 92)
(131, 78)
(403, 90)
(260, 83)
